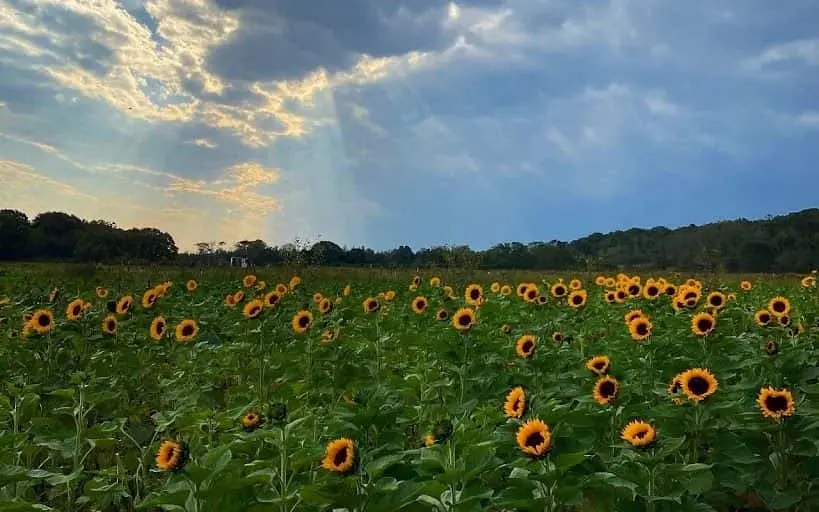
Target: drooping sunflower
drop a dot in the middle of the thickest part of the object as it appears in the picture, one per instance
(463, 319)
(272, 298)
(249, 280)
(762, 317)
(640, 328)
(171, 456)
(149, 298)
(521, 289)
(525, 346)
(294, 281)
(514, 406)
(703, 323)
(495, 287)
(442, 314)
(577, 298)
(716, 300)
(651, 291)
(124, 304)
(109, 324)
(260, 285)
(559, 290)
(101, 292)
(339, 456)
(534, 438)
(253, 309)
(775, 403)
(473, 294)
(779, 306)
(158, 328)
(251, 421)
(605, 389)
(370, 305)
(74, 309)
(698, 384)
(505, 290)
(186, 330)
(639, 433)
(745, 286)
(419, 304)
(599, 365)
(42, 321)
(325, 306)
(302, 321)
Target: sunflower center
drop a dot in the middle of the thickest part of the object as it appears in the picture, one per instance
(652, 290)
(560, 290)
(534, 440)
(516, 405)
(776, 403)
(716, 301)
(779, 306)
(76, 310)
(527, 346)
(698, 385)
(639, 434)
(464, 320)
(474, 294)
(642, 329)
(764, 318)
(577, 299)
(670, 290)
(187, 330)
(704, 324)
(43, 320)
(340, 457)
(304, 321)
(633, 289)
(607, 389)
(254, 311)
(421, 304)
(111, 325)
(160, 327)
(599, 365)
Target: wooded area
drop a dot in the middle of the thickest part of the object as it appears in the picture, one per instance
(787, 243)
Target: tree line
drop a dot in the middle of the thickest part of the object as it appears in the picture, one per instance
(787, 243)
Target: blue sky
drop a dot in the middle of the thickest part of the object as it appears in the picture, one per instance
(419, 122)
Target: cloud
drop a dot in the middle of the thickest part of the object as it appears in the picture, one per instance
(803, 51)
(203, 143)
(808, 119)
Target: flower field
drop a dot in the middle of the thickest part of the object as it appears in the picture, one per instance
(136, 389)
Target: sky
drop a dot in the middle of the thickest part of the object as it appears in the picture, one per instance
(417, 122)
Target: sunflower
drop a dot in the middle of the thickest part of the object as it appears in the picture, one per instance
(634, 290)
(230, 300)
(639, 433)
(670, 290)
(534, 438)
(302, 321)
(124, 305)
(186, 330)
(521, 289)
(506, 328)
(716, 300)
(253, 309)
(762, 317)
(703, 323)
(557, 337)
(745, 286)
(698, 384)
(294, 281)
(251, 421)
(515, 404)
(575, 284)
(281, 288)
(249, 280)
(495, 287)
(325, 305)
(473, 294)
(784, 320)
(775, 403)
(419, 304)
(271, 298)
(442, 314)
(435, 281)
(109, 324)
(347, 291)
(634, 314)
(532, 294)
(260, 285)
(605, 389)
(808, 281)
(620, 296)
(149, 298)
(771, 348)
(610, 297)
(610, 282)
(675, 389)
(599, 365)
(330, 335)
(600, 280)
(339, 456)
(74, 309)
(191, 285)
(463, 319)
(158, 328)
(505, 290)
(429, 440)
(370, 305)
(101, 292)
(389, 296)
(559, 290)
(651, 291)
(779, 306)
(318, 297)
(525, 346)
(577, 298)
(640, 328)
(171, 456)
(42, 321)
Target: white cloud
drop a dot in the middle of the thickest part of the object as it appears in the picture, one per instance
(809, 119)
(203, 143)
(805, 51)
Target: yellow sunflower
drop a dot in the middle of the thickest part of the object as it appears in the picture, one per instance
(317, 297)
(463, 319)
(251, 421)
(347, 291)
(577, 298)
(779, 306)
(506, 328)
(808, 281)
(634, 290)
(698, 384)
(42, 321)
(521, 289)
(253, 309)
(370, 305)
(532, 293)
(149, 298)
(505, 290)
(339, 456)
(330, 335)
(515, 404)
(442, 314)
(634, 313)
(600, 280)
(651, 291)
(230, 300)
(599, 365)
(419, 304)
(620, 296)
(784, 320)
(186, 330)
(249, 280)
(302, 321)
(610, 297)
(101, 292)
(670, 290)
(281, 288)
(74, 309)
(109, 324)
(534, 438)
(473, 294)
(158, 328)
(124, 305)
(272, 298)
(716, 300)
(771, 348)
(640, 328)
(638, 433)
(294, 281)
(703, 323)
(525, 346)
(191, 285)
(495, 287)
(171, 456)
(416, 281)
(389, 296)
(557, 337)
(559, 290)
(745, 286)
(605, 389)
(776, 403)
(325, 306)
(435, 281)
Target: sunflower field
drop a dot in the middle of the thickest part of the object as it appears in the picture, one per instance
(343, 390)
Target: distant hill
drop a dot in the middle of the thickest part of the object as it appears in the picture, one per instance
(787, 243)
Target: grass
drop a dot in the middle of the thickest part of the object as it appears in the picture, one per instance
(248, 410)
